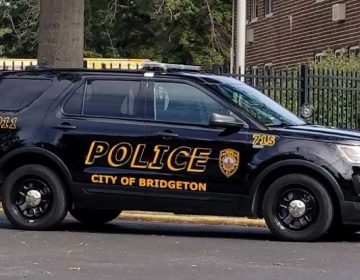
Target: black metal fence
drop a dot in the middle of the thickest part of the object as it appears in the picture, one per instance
(334, 94)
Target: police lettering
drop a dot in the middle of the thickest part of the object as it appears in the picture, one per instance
(179, 159)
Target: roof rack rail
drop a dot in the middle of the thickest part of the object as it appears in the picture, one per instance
(165, 67)
(40, 66)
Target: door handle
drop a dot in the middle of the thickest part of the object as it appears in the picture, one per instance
(65, 126)
(167, 135)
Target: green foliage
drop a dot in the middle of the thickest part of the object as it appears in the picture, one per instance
(343, 62)
(22, 18)
(3, 32)
(176, 31)
(334, 89)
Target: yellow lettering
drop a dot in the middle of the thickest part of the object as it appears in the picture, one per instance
(132, 181)
(179, 185)
(193, 186)
(95, 178)
(126, 151)
(124, 181)
(101, 179)
(186, 185)
(156, 183)
(5, 123)
(172, 185)
(13, 123)
(176, 166)
(202, 187)
(160, 151)
(150, 183)
(163, 184)
(137, 160)
(113, 179)
(142, 182)
(198, 160)
(97, 150)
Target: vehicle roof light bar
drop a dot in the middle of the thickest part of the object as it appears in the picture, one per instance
(40, 66)
(164, 67)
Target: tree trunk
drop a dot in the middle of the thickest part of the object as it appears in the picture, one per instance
(61, 35)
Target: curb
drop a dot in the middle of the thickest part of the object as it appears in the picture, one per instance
(141, 216)
(190, 219)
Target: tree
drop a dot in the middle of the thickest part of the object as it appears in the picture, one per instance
(177, 31)
(19, 21)
(61, 34)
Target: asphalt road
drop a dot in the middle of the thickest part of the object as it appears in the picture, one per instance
(137, 251)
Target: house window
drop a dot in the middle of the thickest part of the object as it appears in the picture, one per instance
(268, 7)
(354, 51)
(338, 53)
(319, 56)
(267, 67)
(254, 10)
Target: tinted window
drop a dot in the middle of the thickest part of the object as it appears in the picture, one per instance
(16, 94)
(111, 98)
(74, 104)
(183, 103)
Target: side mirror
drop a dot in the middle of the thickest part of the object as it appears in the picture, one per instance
(223, 121)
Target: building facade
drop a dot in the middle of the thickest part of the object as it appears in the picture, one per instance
(285, 33)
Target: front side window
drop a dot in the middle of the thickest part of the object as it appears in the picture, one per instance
(181, 103)
(265, 110)
(105, 98)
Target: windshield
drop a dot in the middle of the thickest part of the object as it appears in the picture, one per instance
(259, 106)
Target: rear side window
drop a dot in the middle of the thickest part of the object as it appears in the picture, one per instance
(16, 94)
(105, 98)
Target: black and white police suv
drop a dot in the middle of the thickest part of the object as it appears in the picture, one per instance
(168, 138)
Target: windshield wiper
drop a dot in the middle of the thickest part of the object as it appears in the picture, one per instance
(281, 124)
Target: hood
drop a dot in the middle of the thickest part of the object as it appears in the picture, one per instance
(321, 133)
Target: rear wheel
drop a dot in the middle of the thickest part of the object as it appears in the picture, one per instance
(94, 217)
(297, 207)
(34, 198)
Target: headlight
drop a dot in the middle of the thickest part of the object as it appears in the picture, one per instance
(351, 153)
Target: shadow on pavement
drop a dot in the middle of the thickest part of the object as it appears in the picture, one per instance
(178, 230)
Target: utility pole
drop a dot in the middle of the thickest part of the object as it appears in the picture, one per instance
(241, 36)
(232, 50)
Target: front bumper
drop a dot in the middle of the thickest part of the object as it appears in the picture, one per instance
(350, 212)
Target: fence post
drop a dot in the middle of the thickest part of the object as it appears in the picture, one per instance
(304, 87)
(216, 69)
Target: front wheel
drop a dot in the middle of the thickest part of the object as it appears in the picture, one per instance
(94, 217)
(297, 207)
(34, 198)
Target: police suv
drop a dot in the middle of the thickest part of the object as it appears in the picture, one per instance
(168, 138)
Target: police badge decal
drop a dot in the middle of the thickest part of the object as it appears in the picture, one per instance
(229, 162)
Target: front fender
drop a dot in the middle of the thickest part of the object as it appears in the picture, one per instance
(255, 187)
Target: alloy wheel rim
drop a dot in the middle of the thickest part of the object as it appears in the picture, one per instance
(296, 209)
(31, 198)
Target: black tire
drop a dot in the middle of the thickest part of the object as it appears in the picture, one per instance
(318, 211)
(94, 217)
(54, 199)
